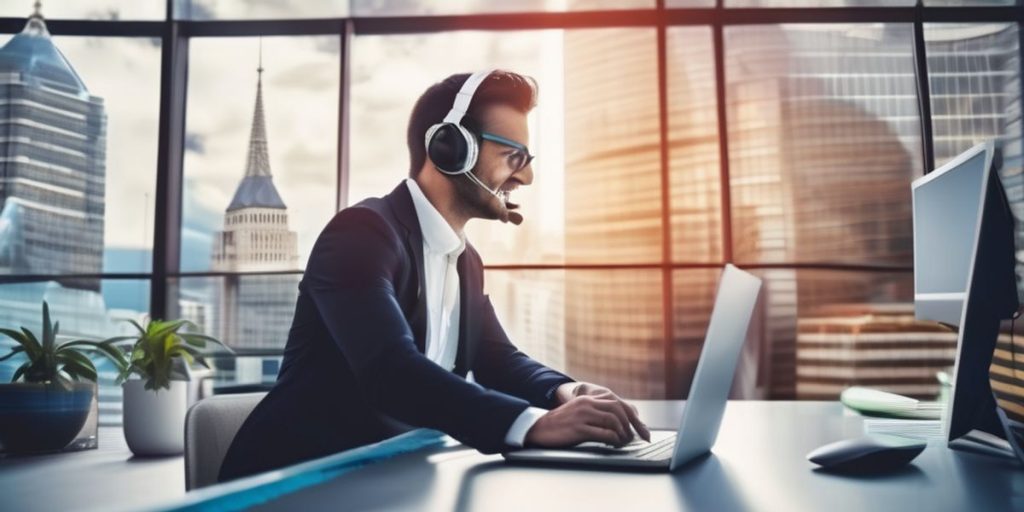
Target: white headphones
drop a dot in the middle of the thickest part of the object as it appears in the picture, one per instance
(451, 147)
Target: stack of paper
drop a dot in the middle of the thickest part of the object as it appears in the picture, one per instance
(925, 430)
(873, 402)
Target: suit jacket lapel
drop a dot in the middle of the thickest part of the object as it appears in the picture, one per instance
(400, 201)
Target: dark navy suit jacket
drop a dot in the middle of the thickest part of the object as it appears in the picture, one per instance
(354, 369)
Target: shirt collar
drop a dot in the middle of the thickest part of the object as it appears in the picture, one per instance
(438, 235)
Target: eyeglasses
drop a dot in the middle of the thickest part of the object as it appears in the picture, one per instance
(517, 160)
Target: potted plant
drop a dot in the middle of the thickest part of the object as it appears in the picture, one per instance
(155, 404)
(50, 395)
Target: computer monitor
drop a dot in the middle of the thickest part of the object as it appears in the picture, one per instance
(964, 275)
(946, 204)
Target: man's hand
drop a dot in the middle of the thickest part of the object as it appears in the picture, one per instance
(587, 412)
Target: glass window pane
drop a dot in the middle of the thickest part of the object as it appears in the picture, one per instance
(249, 313)
(693, 146)
(92, 10)
(424, 7)
(824, 140)
(596, 190)
(975, 88)
(260, 172)
(80, 117)
(597, 325)
(246, 9)
(693, 298)
(242, 374)
(83, 314)
(822, 331)
(820, 3)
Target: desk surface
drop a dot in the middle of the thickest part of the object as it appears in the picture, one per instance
(107, 478)
(758, 463)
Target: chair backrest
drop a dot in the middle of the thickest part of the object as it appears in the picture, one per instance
(210, 426)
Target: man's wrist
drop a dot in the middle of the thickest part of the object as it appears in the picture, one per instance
(565, 392)
(516, 435)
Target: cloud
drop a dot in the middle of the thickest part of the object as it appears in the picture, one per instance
(328, 45)
(307, 75)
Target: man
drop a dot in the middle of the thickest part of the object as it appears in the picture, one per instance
(391, 314)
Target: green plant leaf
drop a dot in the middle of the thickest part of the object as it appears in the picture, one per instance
(115, 355)
(48, 336)
(119, 340)
(137, 326)
(32, 349)
(194, 340)
(14, 351)
(77, 369)
(165, 328)
(75, 356)
(21, 371)
(32, 337)
(181, 351)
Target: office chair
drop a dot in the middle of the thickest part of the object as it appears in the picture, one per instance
(210, 426)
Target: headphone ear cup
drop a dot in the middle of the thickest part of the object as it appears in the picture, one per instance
(448, 148)
(472, 148)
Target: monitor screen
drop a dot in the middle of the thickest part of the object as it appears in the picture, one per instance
(945, 220)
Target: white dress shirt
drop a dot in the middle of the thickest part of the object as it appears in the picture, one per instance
(442, 247)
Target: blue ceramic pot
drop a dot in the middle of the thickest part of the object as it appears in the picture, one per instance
(37, 417)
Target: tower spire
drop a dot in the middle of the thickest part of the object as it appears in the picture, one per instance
(258, 161)
(36, 26)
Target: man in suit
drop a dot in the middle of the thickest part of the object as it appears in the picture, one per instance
(391, 314)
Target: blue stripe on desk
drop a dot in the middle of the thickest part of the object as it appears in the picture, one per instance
(247, 492)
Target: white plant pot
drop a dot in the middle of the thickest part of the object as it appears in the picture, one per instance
(154, 421)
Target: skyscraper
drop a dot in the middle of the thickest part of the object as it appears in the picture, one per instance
(52, 162)
(255, 312)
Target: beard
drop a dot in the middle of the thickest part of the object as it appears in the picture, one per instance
(475, 201)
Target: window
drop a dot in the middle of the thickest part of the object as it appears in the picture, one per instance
(824, 140)
(974, 76)
(695, 198)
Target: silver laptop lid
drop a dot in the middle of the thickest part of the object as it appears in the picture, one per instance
(730, 320)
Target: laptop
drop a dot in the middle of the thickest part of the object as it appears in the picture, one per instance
(702, 412)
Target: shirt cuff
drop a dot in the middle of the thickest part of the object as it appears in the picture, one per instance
(516, 435)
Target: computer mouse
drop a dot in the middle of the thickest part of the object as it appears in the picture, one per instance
(869, 454)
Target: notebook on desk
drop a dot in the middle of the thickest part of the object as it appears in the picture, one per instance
(702, 414)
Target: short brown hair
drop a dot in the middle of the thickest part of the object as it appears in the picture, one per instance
(500, 87)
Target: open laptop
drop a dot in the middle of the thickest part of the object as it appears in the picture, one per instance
(702, 413)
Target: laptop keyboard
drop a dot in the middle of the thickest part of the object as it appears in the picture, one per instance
(640, 449)
(658, 450)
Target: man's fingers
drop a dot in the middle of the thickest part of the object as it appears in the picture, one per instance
(604, 419)
(617, 408)
(634, 418)
(594, 433)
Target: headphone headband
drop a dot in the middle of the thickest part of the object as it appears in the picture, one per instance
(465, 96)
